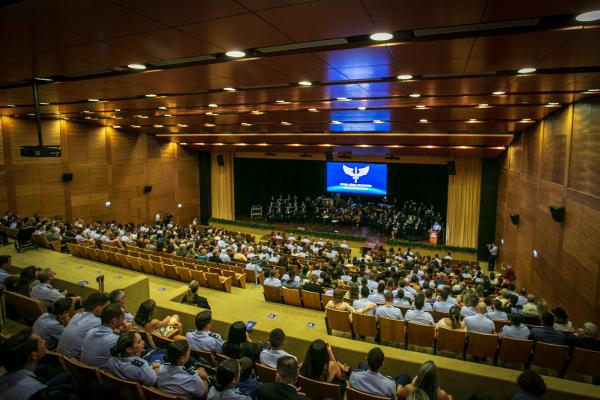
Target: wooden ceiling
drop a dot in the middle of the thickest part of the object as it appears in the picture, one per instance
(458, 54)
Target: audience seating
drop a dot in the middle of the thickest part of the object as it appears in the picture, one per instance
(482, 345)
(451, 340)
(265, 373)
(354, 394)
(26, 307)
(585, 362)
(87, 376)
(550, 356)
(291, 297)
(420, 335)
(152, 393)
(124, 389)
(498, 325)
(392, 330)
(312, 300)
(161, 341)
(319, 390)
(364, 325)
(272, 293)
(338, 321)
(43, 242)
(205, 356)
(516, 351)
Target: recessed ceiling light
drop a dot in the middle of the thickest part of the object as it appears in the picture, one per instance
(414, 95)
(377, 121)
(211, 113)
(235, 53)
(483, 105)
(592, 91)
(313, 110)
(336, 122)
(117, 126)
(66, 119)
(588, 16)
(423, 121)
(31, 114)
(246, 124)
(305, 83)
(158, 126)
(229, 89)
(10, 105)
(282, 102)
(43, 103)
(421, 107)
(213, 105)
(285, 123)
(498, 92)
(93, 100)
(150, 95)
(183, 144)
(144, 116)
(136, 66)
(343, 99)
(381, 36)
(552, 104)
(135, 126)
(526, 70)
(85, 117)
(525, 120)
(404, 77)
(182, 125)
(117, 109)
(167, 115)
(162, 108)
(209, 124)
(256, 112)
(472, 120)
(361, 108)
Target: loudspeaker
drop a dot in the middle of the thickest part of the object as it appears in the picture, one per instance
(147, 189)
(67, 177)
(514, 218)
(220, 161)
(329, 156)
(451, 167)
(558, 213)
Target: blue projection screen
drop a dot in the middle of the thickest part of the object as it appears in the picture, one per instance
(357, 178)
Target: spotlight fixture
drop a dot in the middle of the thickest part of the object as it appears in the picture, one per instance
(378, 121)
(381, 36)
(182, 125)
(498, 92)
(246, 124)
(107, 204)
(472, 120)
(135, 126)
(415, 95)
(257, 112)
(136, 66)
(235, 54)
(167, 115)
(158, 126)
(362, 108)
(404, 77)
(183, 143)
(588, 16)
(552, 104)
(117, 109)
(592, 91)
(305, 83)
(117, 126)
(525, 120)
(179, 205)
(211, 113)
(282, 102)
(335, 122)
(229, 89)
(483, 105)
(526, 70)
(421, 107)
(285, 123)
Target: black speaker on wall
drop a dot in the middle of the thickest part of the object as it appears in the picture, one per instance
(558, 213)
(67, 177)
(220, 161)
(451, 167)
(329, 156)
(147, 189)
(514, 218)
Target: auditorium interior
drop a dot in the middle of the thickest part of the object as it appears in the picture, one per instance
(471, 124)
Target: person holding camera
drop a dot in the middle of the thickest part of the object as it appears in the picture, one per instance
(493, 249)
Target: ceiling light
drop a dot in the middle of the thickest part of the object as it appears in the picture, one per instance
(158, 126)
(421, 107)
(313, 110)
(209, 124)
(229, 89)
(182, 125)
(483, 105)
(525, 120)
(305, 83)
(336, 122)
(588, 16)
(256, 112)
(211, 113)
(107, 203)
(93, 100)
(117, 109)
(285, 123)
(135, 126)
(552, 104)
(246, 124)
(136, 66)
(10, 105)
(404, 77)
(31, 114)
(167, 115)
(282, 102)
(66, 119)
(377, 121)
(423, 121)
(43, 103)
(526, 70)
(85, 117)
(162, 108)
(498, 92)
(362, 108)
(235, 53)
(144, 116)
(592, 91)
(381, 36)
(472, 120)
(343, 99)
(414, 95)
(179, 205)
(117, 126)
(213, 105)
(183, 144)
(150, 95)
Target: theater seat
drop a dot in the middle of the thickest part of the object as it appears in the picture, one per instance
(265, 373)
(272, 293)
(319, 390)
(585, 362)
(551, 356)
(87, 377)
(151, 393)
(420, 334)
(312, 300)
(515, 351)
(354, 394)
(364, 325)
(451, 340)
(291, 297)
(338, 321)
(392, 330)
(482, 344)
(126, 390)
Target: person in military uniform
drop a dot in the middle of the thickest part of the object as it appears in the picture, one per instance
(270, 356)
(202, 338)
(372, 381)
(98, 342)
(50, 326)
(228, 375)
(126, 361)
(175, 379)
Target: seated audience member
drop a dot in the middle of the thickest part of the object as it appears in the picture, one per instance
(532, 385)
(561, 320)
(364, 305)
(27, 280)
(51, 325)
(126, 361)
(192, 296)
(45, 292)
(118, 296)
(586, 337)
(312, 285)
(70, 341)
(426, 380)
(173, 378)
(452, 321)
(370, 380)
(470, 302)
(168, 327)
(388, 310)
(270, 356)
(379, 296)
(478, 322)
(547, 333)
(417, 394)
(418, 315)
(530, 311)
(271, 281)
(236, 339)
(247, 384)
(291, 280)
(400, 300)
(227, 377)
(202, 338)
(337, 302)
(284, 387)
(5, 264)
(516, 330)
(320, 364)
(98, 342)
(497, 314)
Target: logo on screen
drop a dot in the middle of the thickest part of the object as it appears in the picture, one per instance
(356, 172)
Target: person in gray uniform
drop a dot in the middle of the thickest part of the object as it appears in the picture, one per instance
(270, 356)
(388, 310)
(70, 341)
(173, 378)
(202, 338)
(45, 292)
(126, 361)
(119, 296)
(372, 381)
(98, 342)
(50, 326)
(228, 375)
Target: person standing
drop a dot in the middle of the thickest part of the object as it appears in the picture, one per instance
(493, 256)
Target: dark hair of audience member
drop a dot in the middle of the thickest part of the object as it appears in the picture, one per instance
(316, 361)
(276, 338)
(235, 338)
(427, 379)
(94, 300)
(532, 383)
(418, 394)
(126, 341)
(61, 306)
(251, 350)
(16, 350)
(419, 301)
(375, 359)
(454, 315)
(227, 373)
(115, 295)
(246, 368)
(548, 319)
(481, 395)
(338, 296)
(111, 312)
(203, 318)
(176, 350)
(27, 276)
(287, 368)
(515, 319)
(144, 313)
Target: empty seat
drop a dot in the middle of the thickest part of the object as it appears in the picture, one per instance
(151, 393)
(337, 321)
(392, 330)
(451, 340)
(272, 293)
(354, 394)
(265, 373)
(551, 356)
(312, 300)
(482, 344)
(420, 334)
(291, 297)
(585, 362)
(125, 390)
(364, 325)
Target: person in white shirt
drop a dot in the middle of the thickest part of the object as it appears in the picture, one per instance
(388, 310)
(478, 322)
(418, 315)
(270, 356)
(269, 281)
(497, 314)
(515, 330)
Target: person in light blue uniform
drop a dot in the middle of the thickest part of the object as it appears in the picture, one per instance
(418, 315)
(45, 292)
(378, 297)
(388, 310)
(228, 374)
(126, 361)
(173, 378)
(364, 304)
(70, 341)
(119, 296)
(400, 300)
(98, 342)
(50, 326)
(270, 281)
(478, 322)
(367, 378)
(270, 356)
(516, 330)
(202, 338)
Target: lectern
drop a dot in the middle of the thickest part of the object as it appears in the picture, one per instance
(433, 236)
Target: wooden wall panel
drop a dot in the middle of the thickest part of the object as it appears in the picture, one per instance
(585, 143)
(532, 146)
(554, 148)
(515, 154)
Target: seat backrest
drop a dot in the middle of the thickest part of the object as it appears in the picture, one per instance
(325, 298)
(85, 375)
(392, 329)
(151, 393)
(158, 268)
(498, 325)
(319, 390)
(515, 350)
(353, 394)
(161, 341)
(184, 274)
(364, 325)
(437, 315)
(585, 362)
(312, 300)
(127, 390)
(337, 320)
(272, 293)
(171, 271)
(26, 307)
(265, 373)
(551, 356)
(291, 297)
(451, 340)
(213, 281)
(206, 356)
(420, 334)
(200, 277)
(482, 344)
